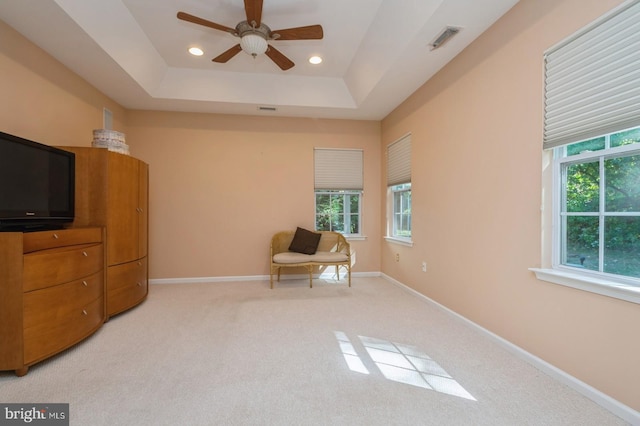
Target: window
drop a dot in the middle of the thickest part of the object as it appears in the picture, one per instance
(592, 127)
(598, 208)
(338, 211)
(401, 210)
(399, 189)
(338, 190)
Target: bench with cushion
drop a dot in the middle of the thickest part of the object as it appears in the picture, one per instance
(302, 248)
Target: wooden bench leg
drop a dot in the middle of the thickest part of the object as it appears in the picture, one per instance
(310, 276)
(271, 277)
(278, 268)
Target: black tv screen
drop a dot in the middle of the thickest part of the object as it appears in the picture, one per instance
(37, 185)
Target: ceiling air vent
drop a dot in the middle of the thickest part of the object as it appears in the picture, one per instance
(267, 108)
(444, 37)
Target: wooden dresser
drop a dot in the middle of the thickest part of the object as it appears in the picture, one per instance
(52, 293)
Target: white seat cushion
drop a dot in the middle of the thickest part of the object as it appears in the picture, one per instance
(329, 257)
(320, 256)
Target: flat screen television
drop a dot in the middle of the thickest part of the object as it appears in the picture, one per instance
(37, 185)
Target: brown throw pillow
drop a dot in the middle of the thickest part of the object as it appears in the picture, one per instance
(305, 241)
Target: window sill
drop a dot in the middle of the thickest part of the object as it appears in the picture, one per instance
(591, 284)
(401, 241)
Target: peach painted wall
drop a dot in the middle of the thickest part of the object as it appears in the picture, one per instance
(222, 185)
(44, 101)
(477, 189)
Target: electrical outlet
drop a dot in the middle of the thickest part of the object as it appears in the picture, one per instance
(424, 266)
(397, 257)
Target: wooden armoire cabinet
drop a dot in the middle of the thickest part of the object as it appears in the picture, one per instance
(112, 191)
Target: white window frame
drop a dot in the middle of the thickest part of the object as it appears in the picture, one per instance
(347, 208)
(398, 174)
(611, 285)
(399, 191)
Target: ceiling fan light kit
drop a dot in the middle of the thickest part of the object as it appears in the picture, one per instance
(253, 44)
(254, 35)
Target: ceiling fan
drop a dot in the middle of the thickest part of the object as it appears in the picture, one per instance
(254, 34)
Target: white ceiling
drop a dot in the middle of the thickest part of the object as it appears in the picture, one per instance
(376, 52)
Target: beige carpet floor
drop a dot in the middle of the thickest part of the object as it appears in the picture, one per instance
(239, 353)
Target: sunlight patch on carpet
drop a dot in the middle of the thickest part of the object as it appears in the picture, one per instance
(350, 355)
(400, 363)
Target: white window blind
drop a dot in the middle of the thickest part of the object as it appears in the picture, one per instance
(399, 162)
(338, 168)
(592, 79)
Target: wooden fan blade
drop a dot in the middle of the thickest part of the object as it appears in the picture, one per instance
(253, 9)
(310, 32)
(225, 56)
(200, 21)
(276, 56)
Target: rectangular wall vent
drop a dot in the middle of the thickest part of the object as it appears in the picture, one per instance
(444, 37)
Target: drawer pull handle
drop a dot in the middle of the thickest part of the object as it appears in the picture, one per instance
(84, 283)
(139, 263)
(55, 236)
(84, 253)
(139, 284)
(84, 312)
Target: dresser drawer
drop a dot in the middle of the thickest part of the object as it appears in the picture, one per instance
(34, 241)
(61, 326)
(51, 267)
(127, 285)
(44, 305)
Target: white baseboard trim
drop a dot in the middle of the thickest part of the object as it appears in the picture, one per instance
(198, 280)
(621, 410)
(201, 280)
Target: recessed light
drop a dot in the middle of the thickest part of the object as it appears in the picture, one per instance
(315, 60)
(196, 51)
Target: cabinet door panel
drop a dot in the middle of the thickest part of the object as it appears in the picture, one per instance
(143, 204)
(122, 222)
